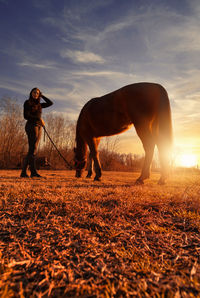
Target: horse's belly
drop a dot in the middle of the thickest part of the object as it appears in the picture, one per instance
(109, 121)
(109, 131)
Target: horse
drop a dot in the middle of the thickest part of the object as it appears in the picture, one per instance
(144, 105)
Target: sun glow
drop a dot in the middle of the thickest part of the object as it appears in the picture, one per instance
(187, 160)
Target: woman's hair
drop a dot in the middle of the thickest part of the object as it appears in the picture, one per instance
(30, 95)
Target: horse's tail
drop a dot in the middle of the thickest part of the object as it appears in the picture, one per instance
(165, 135)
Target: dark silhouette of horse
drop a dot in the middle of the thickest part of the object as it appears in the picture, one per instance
(144, 105)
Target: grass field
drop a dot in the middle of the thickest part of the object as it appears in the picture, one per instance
(67, 237)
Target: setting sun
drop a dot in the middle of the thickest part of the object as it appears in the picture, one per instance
(187, 160)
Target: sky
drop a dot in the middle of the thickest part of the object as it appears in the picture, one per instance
(74, 50)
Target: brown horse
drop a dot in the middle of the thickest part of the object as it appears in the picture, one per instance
(144, 105)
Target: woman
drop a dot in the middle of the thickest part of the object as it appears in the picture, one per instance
(33, 128)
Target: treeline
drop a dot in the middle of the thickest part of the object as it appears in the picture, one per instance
(13, 142)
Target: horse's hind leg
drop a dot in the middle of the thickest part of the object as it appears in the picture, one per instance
(93, 145)
(149, 144)
(90, 166)
(164, 162)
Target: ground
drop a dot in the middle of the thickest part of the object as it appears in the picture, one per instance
(67, 237)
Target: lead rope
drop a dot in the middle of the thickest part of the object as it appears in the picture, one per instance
(44, 136)
(67, 163)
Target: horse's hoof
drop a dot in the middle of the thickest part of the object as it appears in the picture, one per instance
(78, 176)
(88, 176)
(139, 182)
(97, 179)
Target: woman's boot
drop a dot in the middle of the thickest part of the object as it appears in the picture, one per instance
(24, 168)
(33, 167)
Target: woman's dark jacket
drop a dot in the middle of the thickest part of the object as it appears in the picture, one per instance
(33, 110)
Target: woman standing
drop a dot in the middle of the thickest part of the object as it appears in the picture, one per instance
(32, 113)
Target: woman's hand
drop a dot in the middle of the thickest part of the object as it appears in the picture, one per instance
(42, 122)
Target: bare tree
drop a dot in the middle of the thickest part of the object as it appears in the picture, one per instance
(107, 151)
(62, 133)
(12, 135)
(110, 144)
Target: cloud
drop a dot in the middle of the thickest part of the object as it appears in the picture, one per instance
(160, 32)
(14, 85)
(35, 65)
(104, 73)
(83, 57)
(195, 7)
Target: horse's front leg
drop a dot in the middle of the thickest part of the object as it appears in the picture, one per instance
(90, 166)
(93, 145)
(97, 168)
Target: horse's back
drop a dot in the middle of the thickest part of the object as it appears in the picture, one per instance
(138, 96)
(116, 111)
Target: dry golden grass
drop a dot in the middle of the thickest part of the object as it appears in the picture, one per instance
(68, 237)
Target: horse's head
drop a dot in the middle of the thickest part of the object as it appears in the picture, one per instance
(79, 164)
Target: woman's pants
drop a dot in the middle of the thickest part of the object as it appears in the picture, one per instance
(34, 134)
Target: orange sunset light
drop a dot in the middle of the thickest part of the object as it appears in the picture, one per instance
(187, 160)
